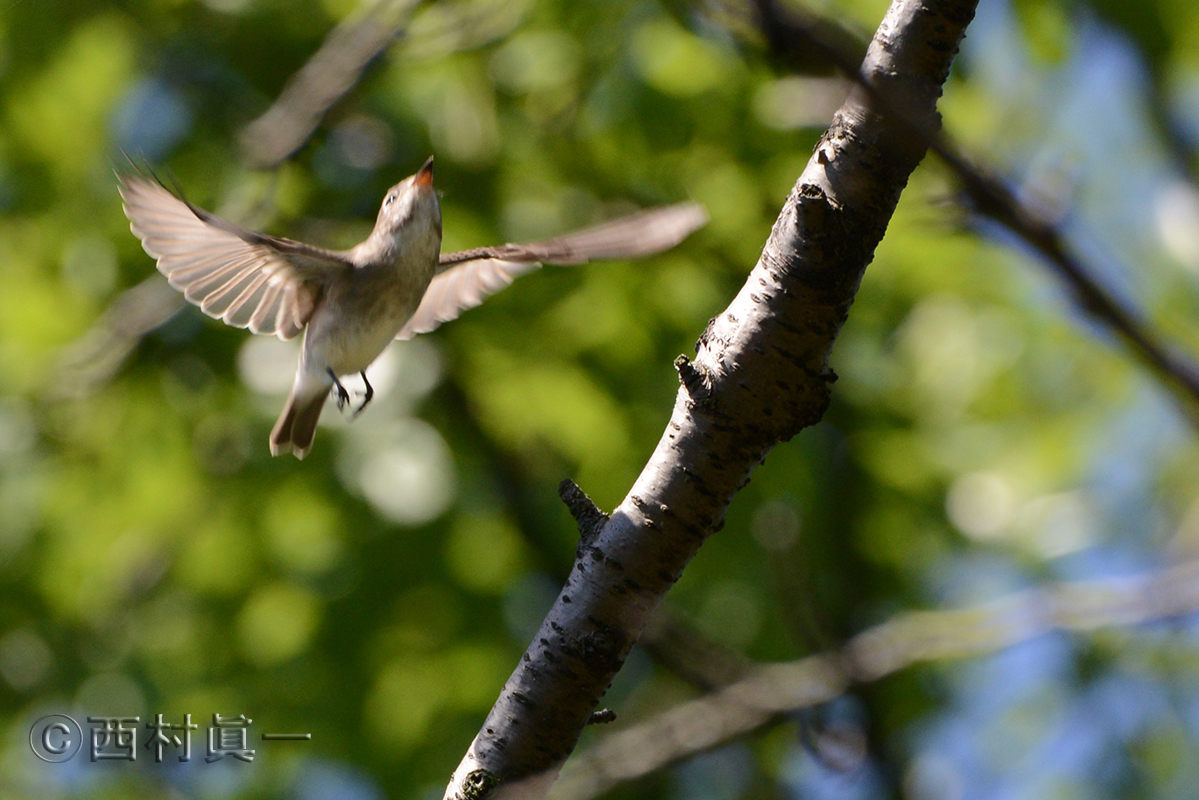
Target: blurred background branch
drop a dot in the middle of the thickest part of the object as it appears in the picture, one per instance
(800, 40)
(769, 694)
(97, 356)
(334, 70)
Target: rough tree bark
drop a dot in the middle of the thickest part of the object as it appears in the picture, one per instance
(760, 375)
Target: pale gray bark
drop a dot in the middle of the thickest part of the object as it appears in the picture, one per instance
(760, 375)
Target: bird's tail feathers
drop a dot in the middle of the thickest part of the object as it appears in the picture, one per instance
(297, 424)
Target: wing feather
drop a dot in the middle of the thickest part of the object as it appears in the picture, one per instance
(462, 288)
(215, 303)
(641, 234)
(210, 286)
(266, 315)
(469, 277)
(242, 310)
(247, 279)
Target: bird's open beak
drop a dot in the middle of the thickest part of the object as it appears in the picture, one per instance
(424, 177)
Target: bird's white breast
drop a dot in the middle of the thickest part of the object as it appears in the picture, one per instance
(359, 317)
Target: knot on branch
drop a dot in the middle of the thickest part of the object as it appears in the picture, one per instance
(602, 717)
(708, 336)
(601, 650)
(586, 513)
(478, 785)
(694, 379)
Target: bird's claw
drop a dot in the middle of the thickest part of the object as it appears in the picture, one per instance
(343, 396)
(370, 393)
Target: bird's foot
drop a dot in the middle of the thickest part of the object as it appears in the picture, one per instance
(343, 396)
(370, 393)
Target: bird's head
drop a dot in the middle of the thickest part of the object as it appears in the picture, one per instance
(410, 208)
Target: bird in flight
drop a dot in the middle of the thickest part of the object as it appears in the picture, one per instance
(351, 303)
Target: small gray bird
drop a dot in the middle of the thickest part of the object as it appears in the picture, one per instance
(352, 303)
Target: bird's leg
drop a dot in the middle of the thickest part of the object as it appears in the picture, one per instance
(370, 392)
(343, 396)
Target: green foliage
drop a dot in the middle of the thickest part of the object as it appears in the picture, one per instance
(155, 559)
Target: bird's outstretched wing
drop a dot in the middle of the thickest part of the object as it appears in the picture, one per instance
(248, 279)
(469, 277)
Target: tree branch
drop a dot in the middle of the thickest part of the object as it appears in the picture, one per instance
(771, 693)
(796, 38)
(587, 516)
(760, 375)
